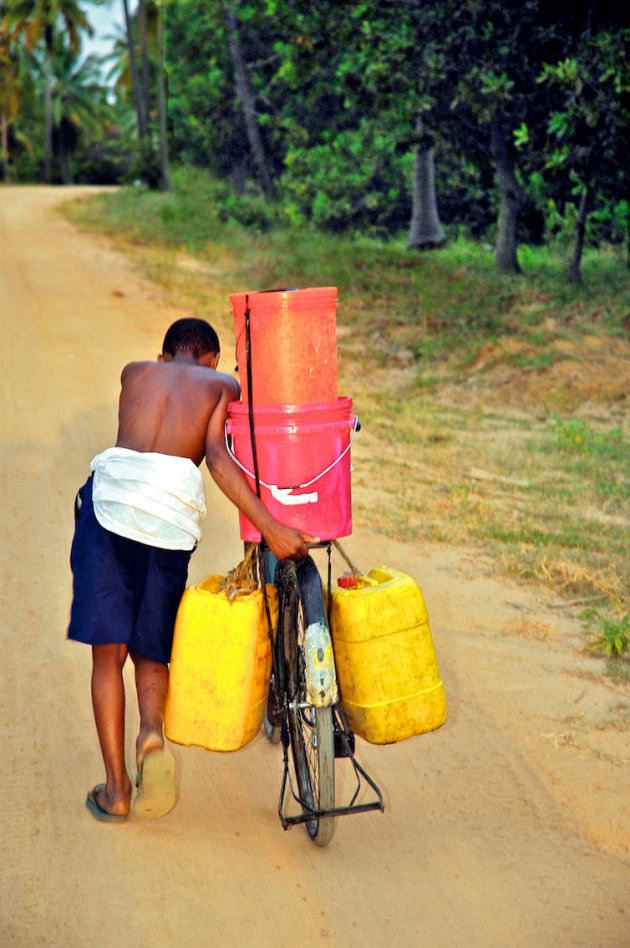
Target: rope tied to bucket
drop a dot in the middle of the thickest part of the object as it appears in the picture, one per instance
(274, 488)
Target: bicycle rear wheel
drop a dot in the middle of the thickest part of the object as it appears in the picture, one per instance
(310, 728)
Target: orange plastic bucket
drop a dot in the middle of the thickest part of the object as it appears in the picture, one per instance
(303, 454)
(293, 345)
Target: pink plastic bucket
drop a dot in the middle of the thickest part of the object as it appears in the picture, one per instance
(303, 454)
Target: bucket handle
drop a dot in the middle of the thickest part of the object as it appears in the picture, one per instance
(274, 488)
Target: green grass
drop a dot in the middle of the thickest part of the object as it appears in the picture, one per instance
(608, 635)
(452, 294)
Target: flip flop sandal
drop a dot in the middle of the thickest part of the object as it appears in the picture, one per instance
(97, 811)
(156, 785)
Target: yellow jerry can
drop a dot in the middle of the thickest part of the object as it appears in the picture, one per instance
(220, 667)
(387, 669)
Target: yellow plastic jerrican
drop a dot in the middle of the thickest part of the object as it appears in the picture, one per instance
(220, 667)
(387, 669)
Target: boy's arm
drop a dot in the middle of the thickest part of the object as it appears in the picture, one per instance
(284, 542)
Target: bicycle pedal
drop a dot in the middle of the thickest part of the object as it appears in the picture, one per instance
(344, 743)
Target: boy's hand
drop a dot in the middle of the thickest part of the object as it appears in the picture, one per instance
(286, 543)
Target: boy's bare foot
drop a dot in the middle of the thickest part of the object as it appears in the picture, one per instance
(108, 806)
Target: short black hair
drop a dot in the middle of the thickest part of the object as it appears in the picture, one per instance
(190, 335)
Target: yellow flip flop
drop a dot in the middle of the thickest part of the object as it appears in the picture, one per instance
(156, 786)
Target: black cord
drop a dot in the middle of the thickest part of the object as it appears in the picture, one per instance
(329, 550)
(262, 573)
(250, 393)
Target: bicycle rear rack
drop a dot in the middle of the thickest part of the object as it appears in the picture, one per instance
(344, 747)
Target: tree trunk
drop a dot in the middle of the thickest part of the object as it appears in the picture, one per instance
(4, 145)
(162, 105)
(575, 275)
(425, 230)
(511, 199)
(245, 95)
(65, 162)
(48, 108)
(144, 53)
(135, 83)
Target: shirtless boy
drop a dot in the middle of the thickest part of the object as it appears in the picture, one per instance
(138, 521)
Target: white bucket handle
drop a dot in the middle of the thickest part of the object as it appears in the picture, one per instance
(275, 489)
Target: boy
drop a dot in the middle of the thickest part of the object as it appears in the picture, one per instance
(137, 521)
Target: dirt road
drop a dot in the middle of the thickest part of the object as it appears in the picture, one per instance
(510, 826)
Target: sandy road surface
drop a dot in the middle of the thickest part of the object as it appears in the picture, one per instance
(506, 827)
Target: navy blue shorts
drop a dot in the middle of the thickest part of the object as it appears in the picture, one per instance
(124, 592)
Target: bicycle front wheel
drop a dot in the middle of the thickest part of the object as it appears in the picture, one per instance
(310, 728)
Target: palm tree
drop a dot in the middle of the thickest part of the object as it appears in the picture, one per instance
(39, 20)
(9, 91)
(144, 37)
(16, 90)
(79, 105)
(141, 115)
(144, 60)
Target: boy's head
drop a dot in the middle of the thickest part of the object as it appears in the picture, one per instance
(193, 336)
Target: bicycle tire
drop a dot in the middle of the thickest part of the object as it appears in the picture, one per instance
(310, 728)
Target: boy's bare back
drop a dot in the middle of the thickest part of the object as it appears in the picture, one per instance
(168, 406)
(178, 406)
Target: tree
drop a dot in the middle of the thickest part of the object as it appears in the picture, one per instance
(359, 113)
(144, 40)
(9, 90)
(425, 229)
(245, 96)
(497, 45)
(141, 115)
(39, 20)
(79, 107)
(511, 197)
(585, 128)
(348, 112)
(145, 82)
(162, 103)
(389, 66)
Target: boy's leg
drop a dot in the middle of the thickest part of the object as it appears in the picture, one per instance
(108, 701)
(152, 688)
(156, 794)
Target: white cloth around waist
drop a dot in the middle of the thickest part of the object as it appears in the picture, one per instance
(157, 499)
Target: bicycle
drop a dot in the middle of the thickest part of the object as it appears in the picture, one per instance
(303, 710)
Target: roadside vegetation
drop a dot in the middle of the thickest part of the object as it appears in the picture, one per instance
(458, 171)
(494, 406)
(503, 119)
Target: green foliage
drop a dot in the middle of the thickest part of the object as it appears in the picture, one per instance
(348, 182)
(611, 636)
(104, 161)
(585, 148)
(250, 209)
(575, 436)
(337, 89)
